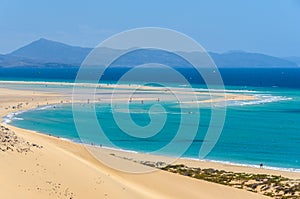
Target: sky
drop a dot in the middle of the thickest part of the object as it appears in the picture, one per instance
(263, 26)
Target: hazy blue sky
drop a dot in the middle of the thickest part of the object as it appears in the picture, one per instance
(266, 26)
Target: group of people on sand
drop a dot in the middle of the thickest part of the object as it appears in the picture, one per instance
(142, 101)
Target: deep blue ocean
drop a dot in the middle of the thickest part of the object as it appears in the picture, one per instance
(265, 131)
(262, 77)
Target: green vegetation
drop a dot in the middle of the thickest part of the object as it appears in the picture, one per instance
(270, 185)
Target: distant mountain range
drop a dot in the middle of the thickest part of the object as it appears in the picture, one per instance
(46, 53)
(293, 59)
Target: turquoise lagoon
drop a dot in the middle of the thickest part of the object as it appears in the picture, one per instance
(263, 131)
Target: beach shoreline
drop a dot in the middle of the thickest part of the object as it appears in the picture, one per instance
(10, 116)
(77, 153)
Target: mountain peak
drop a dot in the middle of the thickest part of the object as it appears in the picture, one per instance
(43, 40)
(48, 51)
(235, 52)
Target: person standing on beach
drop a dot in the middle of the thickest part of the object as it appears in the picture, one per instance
(261, 165)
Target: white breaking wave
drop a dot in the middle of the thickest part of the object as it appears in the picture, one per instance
(260, 99)
(296, 170)
(225, 90)
(12, 116)
(45, 107)
(18, 118)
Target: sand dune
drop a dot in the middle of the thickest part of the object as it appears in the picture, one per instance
(66, 170)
